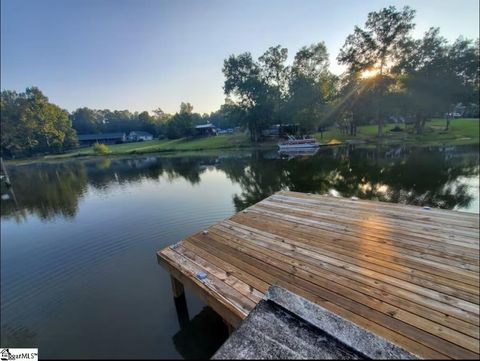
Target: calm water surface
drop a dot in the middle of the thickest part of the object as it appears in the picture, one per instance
(79, 277)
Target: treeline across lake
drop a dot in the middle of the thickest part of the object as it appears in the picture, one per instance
(389, 76)
(31, 125)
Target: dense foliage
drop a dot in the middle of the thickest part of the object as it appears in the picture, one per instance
(86, 121)
(30, 124)
(101, 149)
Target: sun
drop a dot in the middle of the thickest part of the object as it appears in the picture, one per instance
(369, 73)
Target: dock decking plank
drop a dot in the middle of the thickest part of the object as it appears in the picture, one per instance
(399, 240)
(408, 274)
(380, 224)
(408, 300)
(289, 276)
(301, 271)
(330, 251)
(408, 210)
(325, 247)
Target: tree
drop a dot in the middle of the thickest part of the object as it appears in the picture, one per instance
(311, 87)
(274, 71)
(17, 132)
(181, 124)
(159, 113)
(378, 48)
(31, 124)
(147, 122)
(464, 62)
(229, 115)
(186, 108)
(244, 80)
(463, 57)
(268, 91)
(435, 76)
(85, 120)
(101, 149)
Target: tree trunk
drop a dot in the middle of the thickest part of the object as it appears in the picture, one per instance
(424, 120)
(379, 120)
(419, 122)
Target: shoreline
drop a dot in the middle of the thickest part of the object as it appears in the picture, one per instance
(462, 132)
(215, 152)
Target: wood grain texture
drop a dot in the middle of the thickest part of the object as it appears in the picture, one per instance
(408, 274)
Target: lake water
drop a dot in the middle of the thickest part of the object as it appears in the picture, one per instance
(79, 276)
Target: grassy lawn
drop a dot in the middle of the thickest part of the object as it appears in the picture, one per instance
(218, 142)
(462, 131)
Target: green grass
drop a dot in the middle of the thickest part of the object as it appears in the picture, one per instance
(218, 142)
(462, 131)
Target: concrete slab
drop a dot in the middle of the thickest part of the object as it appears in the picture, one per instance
(286, 326)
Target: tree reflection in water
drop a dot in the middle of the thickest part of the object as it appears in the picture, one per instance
(421, 176)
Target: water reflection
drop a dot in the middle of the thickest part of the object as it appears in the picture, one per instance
(46, 190)
(434, 177)
(201, 337)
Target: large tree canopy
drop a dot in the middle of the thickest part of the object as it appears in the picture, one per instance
(395, 74)
(30, 124)
(311, 87)
(377, 48)
(270, 92)
(246, 81)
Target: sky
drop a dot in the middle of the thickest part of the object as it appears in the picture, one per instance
(144, 54)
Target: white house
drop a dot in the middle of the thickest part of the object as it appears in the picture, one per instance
(139, 136)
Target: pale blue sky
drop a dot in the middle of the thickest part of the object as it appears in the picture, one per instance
(144, 54)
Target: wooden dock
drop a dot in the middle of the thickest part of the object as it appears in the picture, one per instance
(408, 274)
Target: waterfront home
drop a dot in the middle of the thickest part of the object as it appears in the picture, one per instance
(280, 130)
(205, 130)
(139, 136)
(105, 138)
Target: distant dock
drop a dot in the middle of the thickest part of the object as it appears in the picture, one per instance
(3, 173)
(408, 274)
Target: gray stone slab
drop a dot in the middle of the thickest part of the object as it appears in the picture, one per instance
(287, 326)
(361, 340)
(270, 332)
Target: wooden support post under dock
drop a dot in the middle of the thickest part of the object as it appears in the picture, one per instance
(177, 287)
(230, 328)
(182, 311)
(408, 274)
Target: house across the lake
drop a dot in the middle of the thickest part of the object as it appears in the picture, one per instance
(105, 138)
(139, 136)
(280, 130)
(205, 130)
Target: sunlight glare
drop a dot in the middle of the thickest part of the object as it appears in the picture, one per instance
(369, 73)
